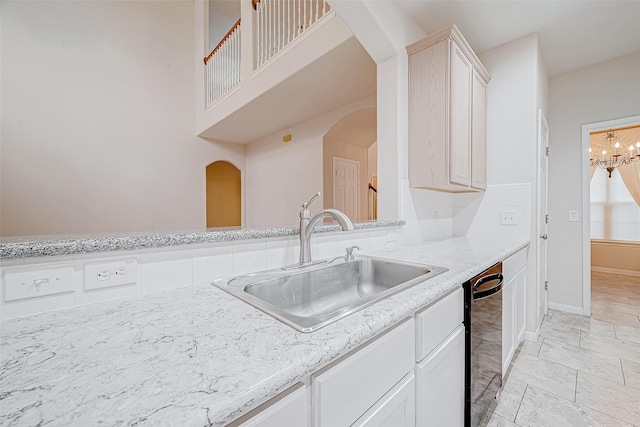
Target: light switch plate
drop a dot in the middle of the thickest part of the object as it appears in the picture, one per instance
(574, 216)
(22, 284)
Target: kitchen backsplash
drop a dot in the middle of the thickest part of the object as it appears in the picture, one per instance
(434, 215)
(429, 214)
(502, 211)
(162, 269)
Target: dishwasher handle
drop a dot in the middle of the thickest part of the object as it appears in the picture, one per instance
(485, 293)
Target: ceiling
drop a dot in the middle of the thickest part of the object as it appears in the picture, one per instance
(571, 34)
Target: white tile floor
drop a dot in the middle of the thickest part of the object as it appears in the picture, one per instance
(582, 371)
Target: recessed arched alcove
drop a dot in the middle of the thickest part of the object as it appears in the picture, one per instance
(349, 164)
(224, 195)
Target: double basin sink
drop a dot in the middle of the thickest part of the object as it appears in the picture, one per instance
(310, 297)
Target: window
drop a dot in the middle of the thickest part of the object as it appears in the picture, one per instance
(614, 213)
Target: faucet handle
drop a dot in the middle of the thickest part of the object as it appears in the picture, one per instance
(349, 255)
(305, 205)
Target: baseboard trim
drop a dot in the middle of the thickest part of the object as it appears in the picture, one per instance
(532, 336)
(616, 271)
(567, 308)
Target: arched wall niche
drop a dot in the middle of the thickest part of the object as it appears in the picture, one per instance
(224, 194)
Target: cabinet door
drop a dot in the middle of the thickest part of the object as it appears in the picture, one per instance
(440, 384)
(428, 126)
(479, 133)
(292, 410)
(343, 393)
(521, 298)
(396, 409)
(435, 323)
(460, 120)
(508, 322)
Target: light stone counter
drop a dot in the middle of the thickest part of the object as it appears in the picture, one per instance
(55, 245)
(194, 356)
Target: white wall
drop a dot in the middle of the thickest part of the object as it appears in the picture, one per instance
(605, 91)
(481, 212)
(98, 118)
(518, 88)
(512, 111)
(281, 176)
(390, 84)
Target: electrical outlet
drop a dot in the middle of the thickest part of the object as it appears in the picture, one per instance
(22, 284)
(108, 275)
(508, 217)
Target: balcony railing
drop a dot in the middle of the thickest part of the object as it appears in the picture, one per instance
(222, 66)
(276, 24)
(279, 22)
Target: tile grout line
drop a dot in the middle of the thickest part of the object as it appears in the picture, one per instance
(622, 369)
(520, 404)
(540, 349)
(604, 413)
(580, 340)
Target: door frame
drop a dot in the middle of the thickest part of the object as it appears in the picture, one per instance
(542, 273)
(333, 182)
(586, 201)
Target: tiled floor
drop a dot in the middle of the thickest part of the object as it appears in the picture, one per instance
(582, 371)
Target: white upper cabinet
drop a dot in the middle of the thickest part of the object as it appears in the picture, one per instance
(479, 132)
(447, 114)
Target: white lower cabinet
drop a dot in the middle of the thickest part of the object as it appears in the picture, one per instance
(396, 409)
(508, 323)
(346, 391)
(291, 410)
(437, 322)
(514, 300)
(440, 384)
(521, 298)
(387, 382)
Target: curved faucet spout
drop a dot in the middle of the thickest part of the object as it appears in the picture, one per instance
(340, 217)
(307, 225)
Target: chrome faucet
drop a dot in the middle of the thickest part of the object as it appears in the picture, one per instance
(307, 224)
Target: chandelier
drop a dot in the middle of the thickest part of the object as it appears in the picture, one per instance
(613, 156)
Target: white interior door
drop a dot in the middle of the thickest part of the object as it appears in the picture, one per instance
(543, 217)
(346, 182)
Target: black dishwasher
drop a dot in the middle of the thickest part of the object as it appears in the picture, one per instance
(483, 343)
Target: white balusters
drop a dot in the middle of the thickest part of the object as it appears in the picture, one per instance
(222, 67)
(279, 22)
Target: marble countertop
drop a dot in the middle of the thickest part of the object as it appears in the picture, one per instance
(39, 246)
(194, 356)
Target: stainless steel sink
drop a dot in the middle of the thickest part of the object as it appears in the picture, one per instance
(308, 298)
